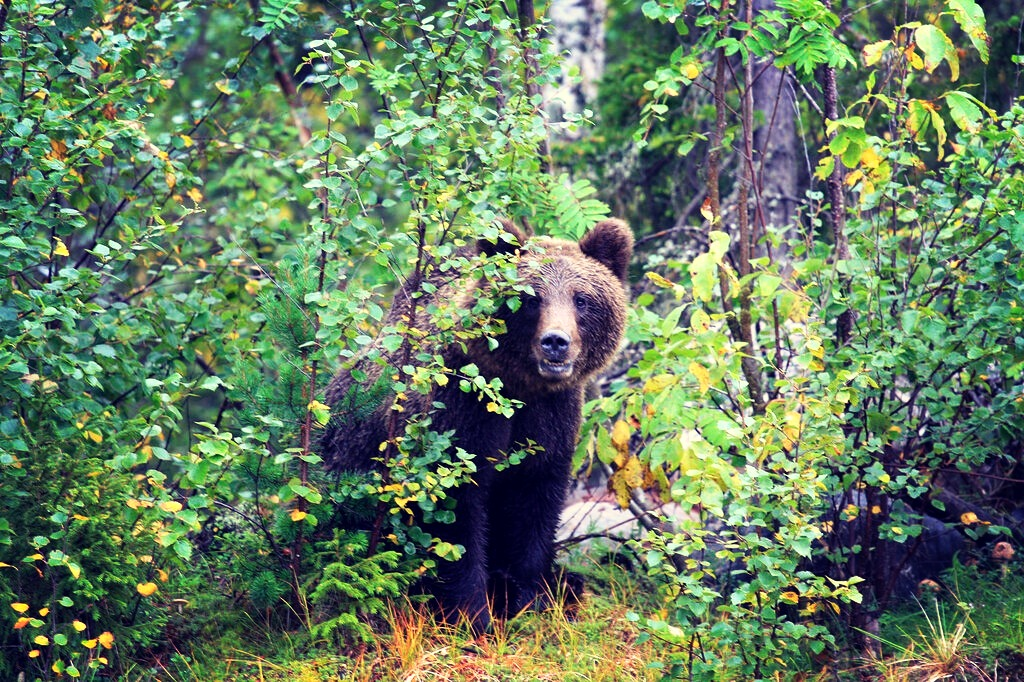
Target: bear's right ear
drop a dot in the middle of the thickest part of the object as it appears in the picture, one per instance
(610, 242)
(508, 240)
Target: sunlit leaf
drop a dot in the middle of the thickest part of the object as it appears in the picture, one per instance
(936, 46)
(145, 589)
(971, 18)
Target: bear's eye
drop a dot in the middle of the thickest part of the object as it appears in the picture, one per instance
(531, 303)
(581, 302)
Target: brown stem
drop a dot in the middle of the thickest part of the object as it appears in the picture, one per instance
(739, 325)
(837, 204)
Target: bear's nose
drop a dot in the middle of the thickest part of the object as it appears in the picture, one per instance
(555, 345)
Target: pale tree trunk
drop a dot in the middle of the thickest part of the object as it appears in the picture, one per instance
(576, 33)
(775, 146)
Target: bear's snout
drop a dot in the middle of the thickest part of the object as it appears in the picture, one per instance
(555, 345)
(555, 359)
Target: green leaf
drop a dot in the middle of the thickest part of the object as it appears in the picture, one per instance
(966, 110)
(971, 18)
(936, 46)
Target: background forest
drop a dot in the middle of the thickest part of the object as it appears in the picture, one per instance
(206, 205)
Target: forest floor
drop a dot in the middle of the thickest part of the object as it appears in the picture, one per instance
(971, 629)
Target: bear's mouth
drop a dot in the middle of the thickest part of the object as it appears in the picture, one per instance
(554, 370)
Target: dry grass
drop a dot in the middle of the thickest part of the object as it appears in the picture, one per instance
(598, 645)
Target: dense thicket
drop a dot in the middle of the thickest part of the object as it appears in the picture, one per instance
(204, 205)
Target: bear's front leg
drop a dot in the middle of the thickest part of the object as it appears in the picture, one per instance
(459, 588)
(526, 503)
(524, 513)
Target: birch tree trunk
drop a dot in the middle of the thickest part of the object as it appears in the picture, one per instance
(577, 33)
(775, 146)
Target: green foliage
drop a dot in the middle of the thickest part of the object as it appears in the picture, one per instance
(179, 266)
(276, 14)
(354, 587)
(734, 575)
(93, 362)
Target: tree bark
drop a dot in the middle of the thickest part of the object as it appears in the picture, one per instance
(776, 172)
(577, 34)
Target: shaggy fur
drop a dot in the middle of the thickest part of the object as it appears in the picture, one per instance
(554, 344)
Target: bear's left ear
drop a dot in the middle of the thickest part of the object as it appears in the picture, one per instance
(610, 242)
(511, 239)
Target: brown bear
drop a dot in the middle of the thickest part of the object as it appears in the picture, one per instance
(553, 344)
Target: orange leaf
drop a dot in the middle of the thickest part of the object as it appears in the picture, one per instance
(145, 589)
(106, 640)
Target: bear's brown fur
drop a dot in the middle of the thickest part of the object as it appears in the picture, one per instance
(553, 345)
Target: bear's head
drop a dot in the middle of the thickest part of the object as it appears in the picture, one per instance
(571, 326)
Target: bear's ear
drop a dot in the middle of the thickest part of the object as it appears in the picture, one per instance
(509, 239)
(610, 242)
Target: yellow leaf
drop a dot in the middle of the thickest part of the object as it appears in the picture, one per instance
(620, 441)
(162, 574)
(790, 597)
(441, 379)
(968, 518)
(171, 179)
(297, 515)
(75, 569)
(691, 70)
(625, 479)
(106, 640)
(171, 506)
(145, 589)
(790, 429)
(89, 644)
(195, 195)
(493, 407)
(659, 383)
(660, 281)
(41, 640)
(34, 653)
(702, 375)
(43, 611)
(22, 622)
(706, 211)
(94, 436)
(61, 248)
(20, 607)
(78, 625)
(321, 413)
(187, 140)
